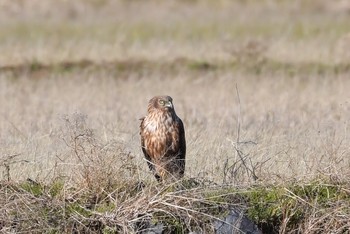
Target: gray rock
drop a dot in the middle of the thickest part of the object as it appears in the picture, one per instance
(235, 222)
(154, 229)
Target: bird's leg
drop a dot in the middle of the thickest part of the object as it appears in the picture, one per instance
(159, 179)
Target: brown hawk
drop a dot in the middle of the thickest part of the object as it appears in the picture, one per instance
(163, 139)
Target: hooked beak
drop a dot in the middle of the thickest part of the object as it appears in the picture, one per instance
(169, 104)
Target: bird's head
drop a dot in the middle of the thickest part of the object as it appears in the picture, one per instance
(161, 103)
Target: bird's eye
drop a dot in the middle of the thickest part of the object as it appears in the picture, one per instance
(161, 102)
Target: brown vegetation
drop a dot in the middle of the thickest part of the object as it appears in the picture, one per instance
(262, 88)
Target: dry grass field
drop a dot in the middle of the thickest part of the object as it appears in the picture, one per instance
(262, 88)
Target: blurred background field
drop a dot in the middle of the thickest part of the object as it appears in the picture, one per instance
(262, 86)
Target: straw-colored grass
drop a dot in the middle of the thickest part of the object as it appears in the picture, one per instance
(262, 88)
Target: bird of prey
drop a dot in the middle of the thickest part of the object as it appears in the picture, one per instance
(163, 139)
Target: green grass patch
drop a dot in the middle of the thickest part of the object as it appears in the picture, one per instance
(270, 206)
(177, 209)
(33, 187)
(250, 66)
